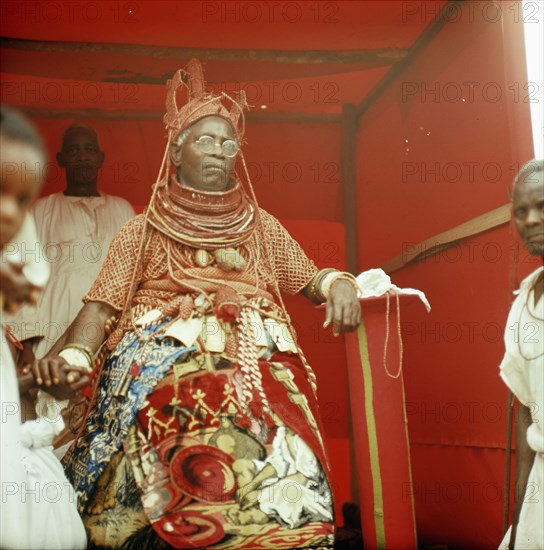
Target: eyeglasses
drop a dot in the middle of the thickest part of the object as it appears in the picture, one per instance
(207, 145)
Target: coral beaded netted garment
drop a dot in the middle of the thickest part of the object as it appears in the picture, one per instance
(205, 431)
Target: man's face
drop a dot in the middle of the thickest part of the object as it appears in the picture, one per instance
(21, 167)
(205, 171)
(81, 156)
(528, 210)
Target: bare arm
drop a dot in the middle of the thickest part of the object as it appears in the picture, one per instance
(307, 293)
(60, 379)
(524, 462)
(88, 328)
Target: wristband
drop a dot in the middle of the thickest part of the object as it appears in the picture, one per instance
(78, 356)
(331, 278)
(317, 282)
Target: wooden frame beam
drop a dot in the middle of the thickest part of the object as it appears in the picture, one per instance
(256, 116)
(432, 245)
(379, 56)
(349, 184)
(419, 45)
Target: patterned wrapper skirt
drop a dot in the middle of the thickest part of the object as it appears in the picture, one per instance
(173, 456)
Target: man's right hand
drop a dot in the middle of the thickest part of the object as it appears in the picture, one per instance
(57, 377)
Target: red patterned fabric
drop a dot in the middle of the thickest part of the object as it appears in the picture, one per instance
(190, 454)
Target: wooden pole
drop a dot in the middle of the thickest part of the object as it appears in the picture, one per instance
(433, 245)
(509, 422)
(349, 183)
(349, 199)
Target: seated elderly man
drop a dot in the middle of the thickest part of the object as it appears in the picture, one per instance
(204, 430)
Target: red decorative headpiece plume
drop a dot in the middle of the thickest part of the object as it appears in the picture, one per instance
(200, 103)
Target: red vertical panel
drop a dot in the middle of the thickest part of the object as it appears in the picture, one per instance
(380, 425)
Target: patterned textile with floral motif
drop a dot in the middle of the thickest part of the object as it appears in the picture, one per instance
(209, 472)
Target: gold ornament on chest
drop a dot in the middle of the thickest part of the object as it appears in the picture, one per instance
(227, 259)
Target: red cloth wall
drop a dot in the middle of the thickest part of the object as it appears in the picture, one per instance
(438, 149)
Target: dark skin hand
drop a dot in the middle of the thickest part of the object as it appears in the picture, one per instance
(61, 380)
(26, 355)
(52, 373)
(343, 309)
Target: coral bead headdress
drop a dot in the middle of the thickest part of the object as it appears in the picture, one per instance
(186, 215)
(200, 103)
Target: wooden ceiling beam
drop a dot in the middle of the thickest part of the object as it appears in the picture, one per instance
(378, 56)
(257, 116)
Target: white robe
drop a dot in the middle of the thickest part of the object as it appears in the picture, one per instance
(75, 233)
(525, 377)
(38, 508)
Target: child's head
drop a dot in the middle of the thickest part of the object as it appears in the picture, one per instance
(22, 161)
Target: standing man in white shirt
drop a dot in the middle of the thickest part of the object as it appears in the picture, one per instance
(75, 229)
(522, 367)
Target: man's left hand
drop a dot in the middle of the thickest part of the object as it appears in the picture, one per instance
(343, 307)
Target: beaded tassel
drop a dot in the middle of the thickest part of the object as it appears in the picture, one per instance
(252, 383)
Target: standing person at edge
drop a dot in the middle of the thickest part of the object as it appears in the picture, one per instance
(522, 367)
(204, 430)
(75, 229)
(37, 505)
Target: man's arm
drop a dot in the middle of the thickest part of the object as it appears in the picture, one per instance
(52, 373)
(524, 462)
(87, 329)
